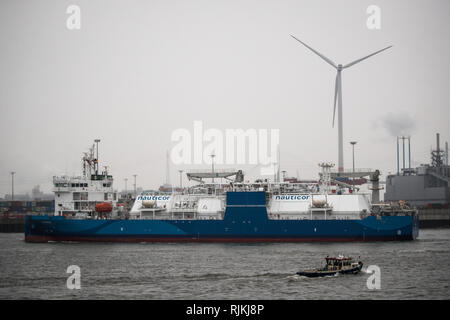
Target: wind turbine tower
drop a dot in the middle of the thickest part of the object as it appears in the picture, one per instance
(338, 96)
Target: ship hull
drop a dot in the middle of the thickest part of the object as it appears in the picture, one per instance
(245, 220)
(121, 239)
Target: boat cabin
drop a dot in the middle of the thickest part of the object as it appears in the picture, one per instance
(338, 263)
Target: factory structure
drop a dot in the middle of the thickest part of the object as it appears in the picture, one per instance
(424, 186)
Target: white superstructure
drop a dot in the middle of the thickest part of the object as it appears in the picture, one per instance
(285, 201)
(80, 195)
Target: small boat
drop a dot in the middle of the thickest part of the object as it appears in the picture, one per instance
(334, 265)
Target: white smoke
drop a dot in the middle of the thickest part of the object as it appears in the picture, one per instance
(398, 124)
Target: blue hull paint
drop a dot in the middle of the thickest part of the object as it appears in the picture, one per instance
(245, 220)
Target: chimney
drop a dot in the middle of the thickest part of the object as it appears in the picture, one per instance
(437, 142)
(446, 153)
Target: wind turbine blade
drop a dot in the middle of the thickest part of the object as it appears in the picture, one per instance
(316, 52)
(359, 60)
(335, 95)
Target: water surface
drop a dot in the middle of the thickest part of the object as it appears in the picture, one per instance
(409, 270)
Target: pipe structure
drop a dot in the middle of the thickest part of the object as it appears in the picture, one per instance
(398, 159)
(403, 143)
(409, 154)
(446, 153)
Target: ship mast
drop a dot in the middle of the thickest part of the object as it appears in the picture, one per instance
(326, 176)
(90, 163)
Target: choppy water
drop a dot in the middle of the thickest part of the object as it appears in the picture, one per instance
(409, 270)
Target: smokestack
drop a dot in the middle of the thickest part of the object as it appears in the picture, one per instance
(409, 154)
(437, 142)
(403, 138)
(446, 153)
(398, 160)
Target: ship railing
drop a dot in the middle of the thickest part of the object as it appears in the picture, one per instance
(303, 217)
(183, 218)
(66, 179)
(62, 189)
(357, 170)
(394, 212)
(181, 210)
(216, 171)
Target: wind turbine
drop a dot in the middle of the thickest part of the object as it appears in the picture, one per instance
(338, 95)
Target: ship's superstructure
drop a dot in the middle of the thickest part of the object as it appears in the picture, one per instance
(80, 195)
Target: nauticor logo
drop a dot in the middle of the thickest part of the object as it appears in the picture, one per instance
(154, 198)
(293, 197)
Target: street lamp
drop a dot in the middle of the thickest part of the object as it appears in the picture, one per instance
(12, 185)
(135, 175)
(212, 163)
(353, 149)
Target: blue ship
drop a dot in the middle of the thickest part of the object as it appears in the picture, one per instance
(245, 219)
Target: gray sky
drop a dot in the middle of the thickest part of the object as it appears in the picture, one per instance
(138, 70)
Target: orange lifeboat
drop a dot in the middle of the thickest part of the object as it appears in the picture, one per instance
(103, 207)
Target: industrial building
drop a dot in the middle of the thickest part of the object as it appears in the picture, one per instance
(424, 186)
